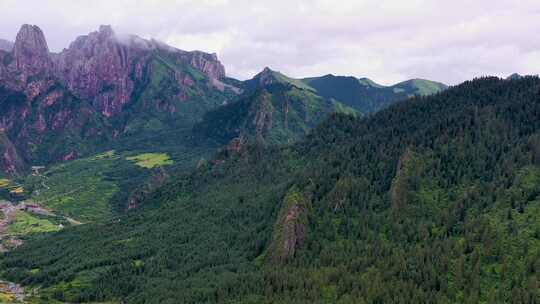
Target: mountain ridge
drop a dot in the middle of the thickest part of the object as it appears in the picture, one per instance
(392, 201)
(109, 76)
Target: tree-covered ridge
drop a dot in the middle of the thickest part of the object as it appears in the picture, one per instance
(363, 95)
(274, 113)
(367, 96)
(434, 200)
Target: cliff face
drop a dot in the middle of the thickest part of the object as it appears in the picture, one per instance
(104, 68)
(291, 227)
(31, 52)
(51, 104)
(208, 64)
(97, 68)
(10, 161)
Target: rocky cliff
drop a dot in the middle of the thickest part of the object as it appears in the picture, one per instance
(290, 228)
(31, 53)
(54, 105)
(104, 67)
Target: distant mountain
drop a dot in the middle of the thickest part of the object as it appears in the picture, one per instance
(279, 108)
(100, 89)
(6, 45)
(106, 89)
(367, 96)
(268, 76)
(514, 76)
(361, 94)
(274, 109)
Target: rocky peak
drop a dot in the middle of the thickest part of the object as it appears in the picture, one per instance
(208, 64)
(97, 67)
(104, 66)
(31, 52)
(106, 31)
(290, 229)
(265, 77)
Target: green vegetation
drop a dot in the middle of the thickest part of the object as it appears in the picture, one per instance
(419, 87)
(91, 188)
(81, 189)
(11, 190)
(367, 96)
(274, 114)
(4, 183)
(25, 224)
(151, 160)
(7, 298)
(466, 228)
(295, 82)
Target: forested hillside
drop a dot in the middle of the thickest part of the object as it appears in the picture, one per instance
(367, 96)
(433, 200)
(275, 113)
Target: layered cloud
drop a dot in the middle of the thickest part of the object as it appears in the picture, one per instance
(388, 41)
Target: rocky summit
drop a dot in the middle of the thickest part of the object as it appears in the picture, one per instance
(54, 105)
(30, 52)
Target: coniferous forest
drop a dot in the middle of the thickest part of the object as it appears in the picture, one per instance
(434, 199)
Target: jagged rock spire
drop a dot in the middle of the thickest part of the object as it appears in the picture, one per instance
(31, 52)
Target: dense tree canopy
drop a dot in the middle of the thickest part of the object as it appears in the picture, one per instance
(433, 200)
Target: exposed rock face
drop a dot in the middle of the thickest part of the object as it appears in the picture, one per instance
(399, 191)
(266, 77)
(97, 67)
(290, 229)
(159, 176)
(10, 160)
(30, 52)
(45, 96)
(104, 68)
(208, 64)
(263, 110)
(235, 145)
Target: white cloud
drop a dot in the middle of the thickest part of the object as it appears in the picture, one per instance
(385, 40)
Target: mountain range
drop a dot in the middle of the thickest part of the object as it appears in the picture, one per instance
(105, 87)
(136, 172)
(432, 200)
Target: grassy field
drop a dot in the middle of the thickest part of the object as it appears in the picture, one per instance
(79, 188)
(95, 187)
(10, 189)
(151, 160)
(26, 223)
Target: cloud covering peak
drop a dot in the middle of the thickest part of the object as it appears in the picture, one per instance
(388, 41)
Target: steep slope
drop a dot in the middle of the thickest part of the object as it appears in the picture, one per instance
(268, 76)
(108, 69)
(44, 121)
(102, 90)
(434, 200)
(274, 109)
(368, 96)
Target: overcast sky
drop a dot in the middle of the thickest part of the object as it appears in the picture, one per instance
(387, 41)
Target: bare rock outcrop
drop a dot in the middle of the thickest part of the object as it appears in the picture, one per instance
(291, 227)
(31, 53)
